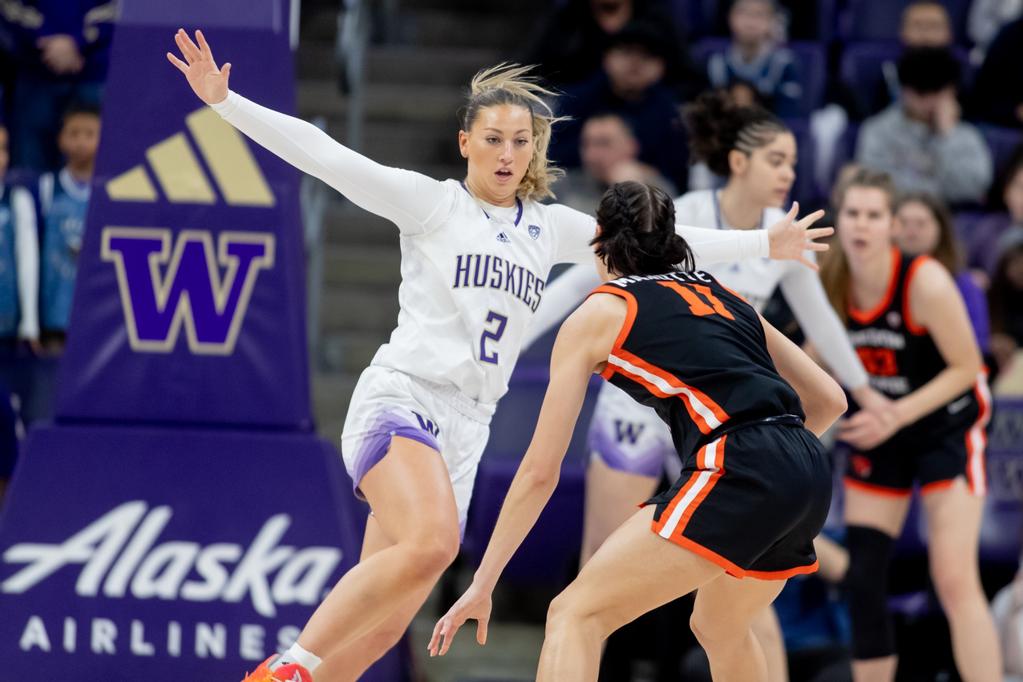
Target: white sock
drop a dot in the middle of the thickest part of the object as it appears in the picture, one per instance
(296, 654)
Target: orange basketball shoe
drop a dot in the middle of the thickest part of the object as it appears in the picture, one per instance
(292, 672)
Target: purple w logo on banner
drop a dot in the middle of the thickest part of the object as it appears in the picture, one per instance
(190, 292)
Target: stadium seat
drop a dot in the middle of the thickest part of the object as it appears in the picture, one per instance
(1002, 142)
(880, 19)
(811, 58)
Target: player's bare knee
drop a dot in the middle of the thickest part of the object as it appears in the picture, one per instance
(715, 633)
(954, 583)
(432, 552)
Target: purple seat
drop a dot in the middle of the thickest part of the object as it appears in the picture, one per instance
(1002, 142)
(881, 19)
(810, 57)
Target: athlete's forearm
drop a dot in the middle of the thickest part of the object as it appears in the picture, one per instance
(27, 257)
(530, 491)
(402, 196)
(724, 246)
(805, 295)
(951, 382)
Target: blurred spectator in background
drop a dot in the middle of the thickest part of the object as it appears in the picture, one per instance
(997, 95)
(925, 227)
(630, 84)
(1005, 301)
(921, 140)
(64, 198)
(610, 153)
(61, 50)
(19, 262)
(926, 23)
(571, 44)
(988, 237)
(987, 17)
(755, 57)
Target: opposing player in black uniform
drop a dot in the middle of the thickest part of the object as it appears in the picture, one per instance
(910, 327)
(756, 484)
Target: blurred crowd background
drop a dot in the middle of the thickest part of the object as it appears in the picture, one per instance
(930, 92)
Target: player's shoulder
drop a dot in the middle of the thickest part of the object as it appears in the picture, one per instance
(695, 201)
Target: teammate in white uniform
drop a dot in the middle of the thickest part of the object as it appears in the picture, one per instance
(475, 258)
(631, 447)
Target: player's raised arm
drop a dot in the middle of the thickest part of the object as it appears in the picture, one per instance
(408, 199)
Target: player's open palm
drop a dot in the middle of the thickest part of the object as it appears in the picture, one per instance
(475, 605)
(790, 238)
(208, 81)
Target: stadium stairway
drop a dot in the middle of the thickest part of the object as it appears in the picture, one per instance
(414, 85)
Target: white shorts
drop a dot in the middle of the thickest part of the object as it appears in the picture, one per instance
(630, 437)
(389, 403)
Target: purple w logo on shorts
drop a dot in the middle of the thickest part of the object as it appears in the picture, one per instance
(193, 285)
(427, 425)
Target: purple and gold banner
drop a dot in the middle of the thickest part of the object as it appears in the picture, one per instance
(189, 305)
(179, 521)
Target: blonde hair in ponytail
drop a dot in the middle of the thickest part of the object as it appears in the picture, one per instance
(515, 84)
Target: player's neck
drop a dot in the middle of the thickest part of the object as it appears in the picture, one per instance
(480, 193)
(81, 171)
(871, 279)
(738, 213)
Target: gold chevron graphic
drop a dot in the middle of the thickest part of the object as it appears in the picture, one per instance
(180, 175)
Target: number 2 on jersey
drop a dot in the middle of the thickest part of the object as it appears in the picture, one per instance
(494, 333)
(697, 306)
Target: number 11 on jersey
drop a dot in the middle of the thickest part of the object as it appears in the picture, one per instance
(496, 323)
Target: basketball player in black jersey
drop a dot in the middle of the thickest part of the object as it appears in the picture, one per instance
(743, 404)
(910, 327)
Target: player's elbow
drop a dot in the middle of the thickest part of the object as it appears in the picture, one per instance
(833, 402)
(541, 475)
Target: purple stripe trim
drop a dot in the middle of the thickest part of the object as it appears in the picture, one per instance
(518, 202)
(378, 441)
(462, 183)
(518, 216)
(649, 461)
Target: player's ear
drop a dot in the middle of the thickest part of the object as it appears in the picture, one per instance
(599, 231)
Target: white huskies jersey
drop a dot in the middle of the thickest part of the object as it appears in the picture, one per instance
(754, 278)
(473, 275)
(470, 286)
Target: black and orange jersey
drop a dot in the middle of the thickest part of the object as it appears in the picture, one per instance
(696, 352)
(899, 355)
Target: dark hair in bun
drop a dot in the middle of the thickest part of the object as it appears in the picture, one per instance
(637, 231)
(717, 126)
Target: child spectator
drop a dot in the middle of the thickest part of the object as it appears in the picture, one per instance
(19, 262)
(1005, 301)
(997, 95)
(756, 58)
(921, 140)
(61, 50)
(609, 153)
(64, 197)
(988, 237)
(925, 227)
(630, 84)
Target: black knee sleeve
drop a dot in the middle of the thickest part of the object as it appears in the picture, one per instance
(870, 553)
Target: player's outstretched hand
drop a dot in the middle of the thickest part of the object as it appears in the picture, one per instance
(475, 604)
(791, 238)
(207, 80)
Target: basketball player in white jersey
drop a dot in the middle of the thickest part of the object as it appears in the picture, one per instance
(631, 447)
(476, 254)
